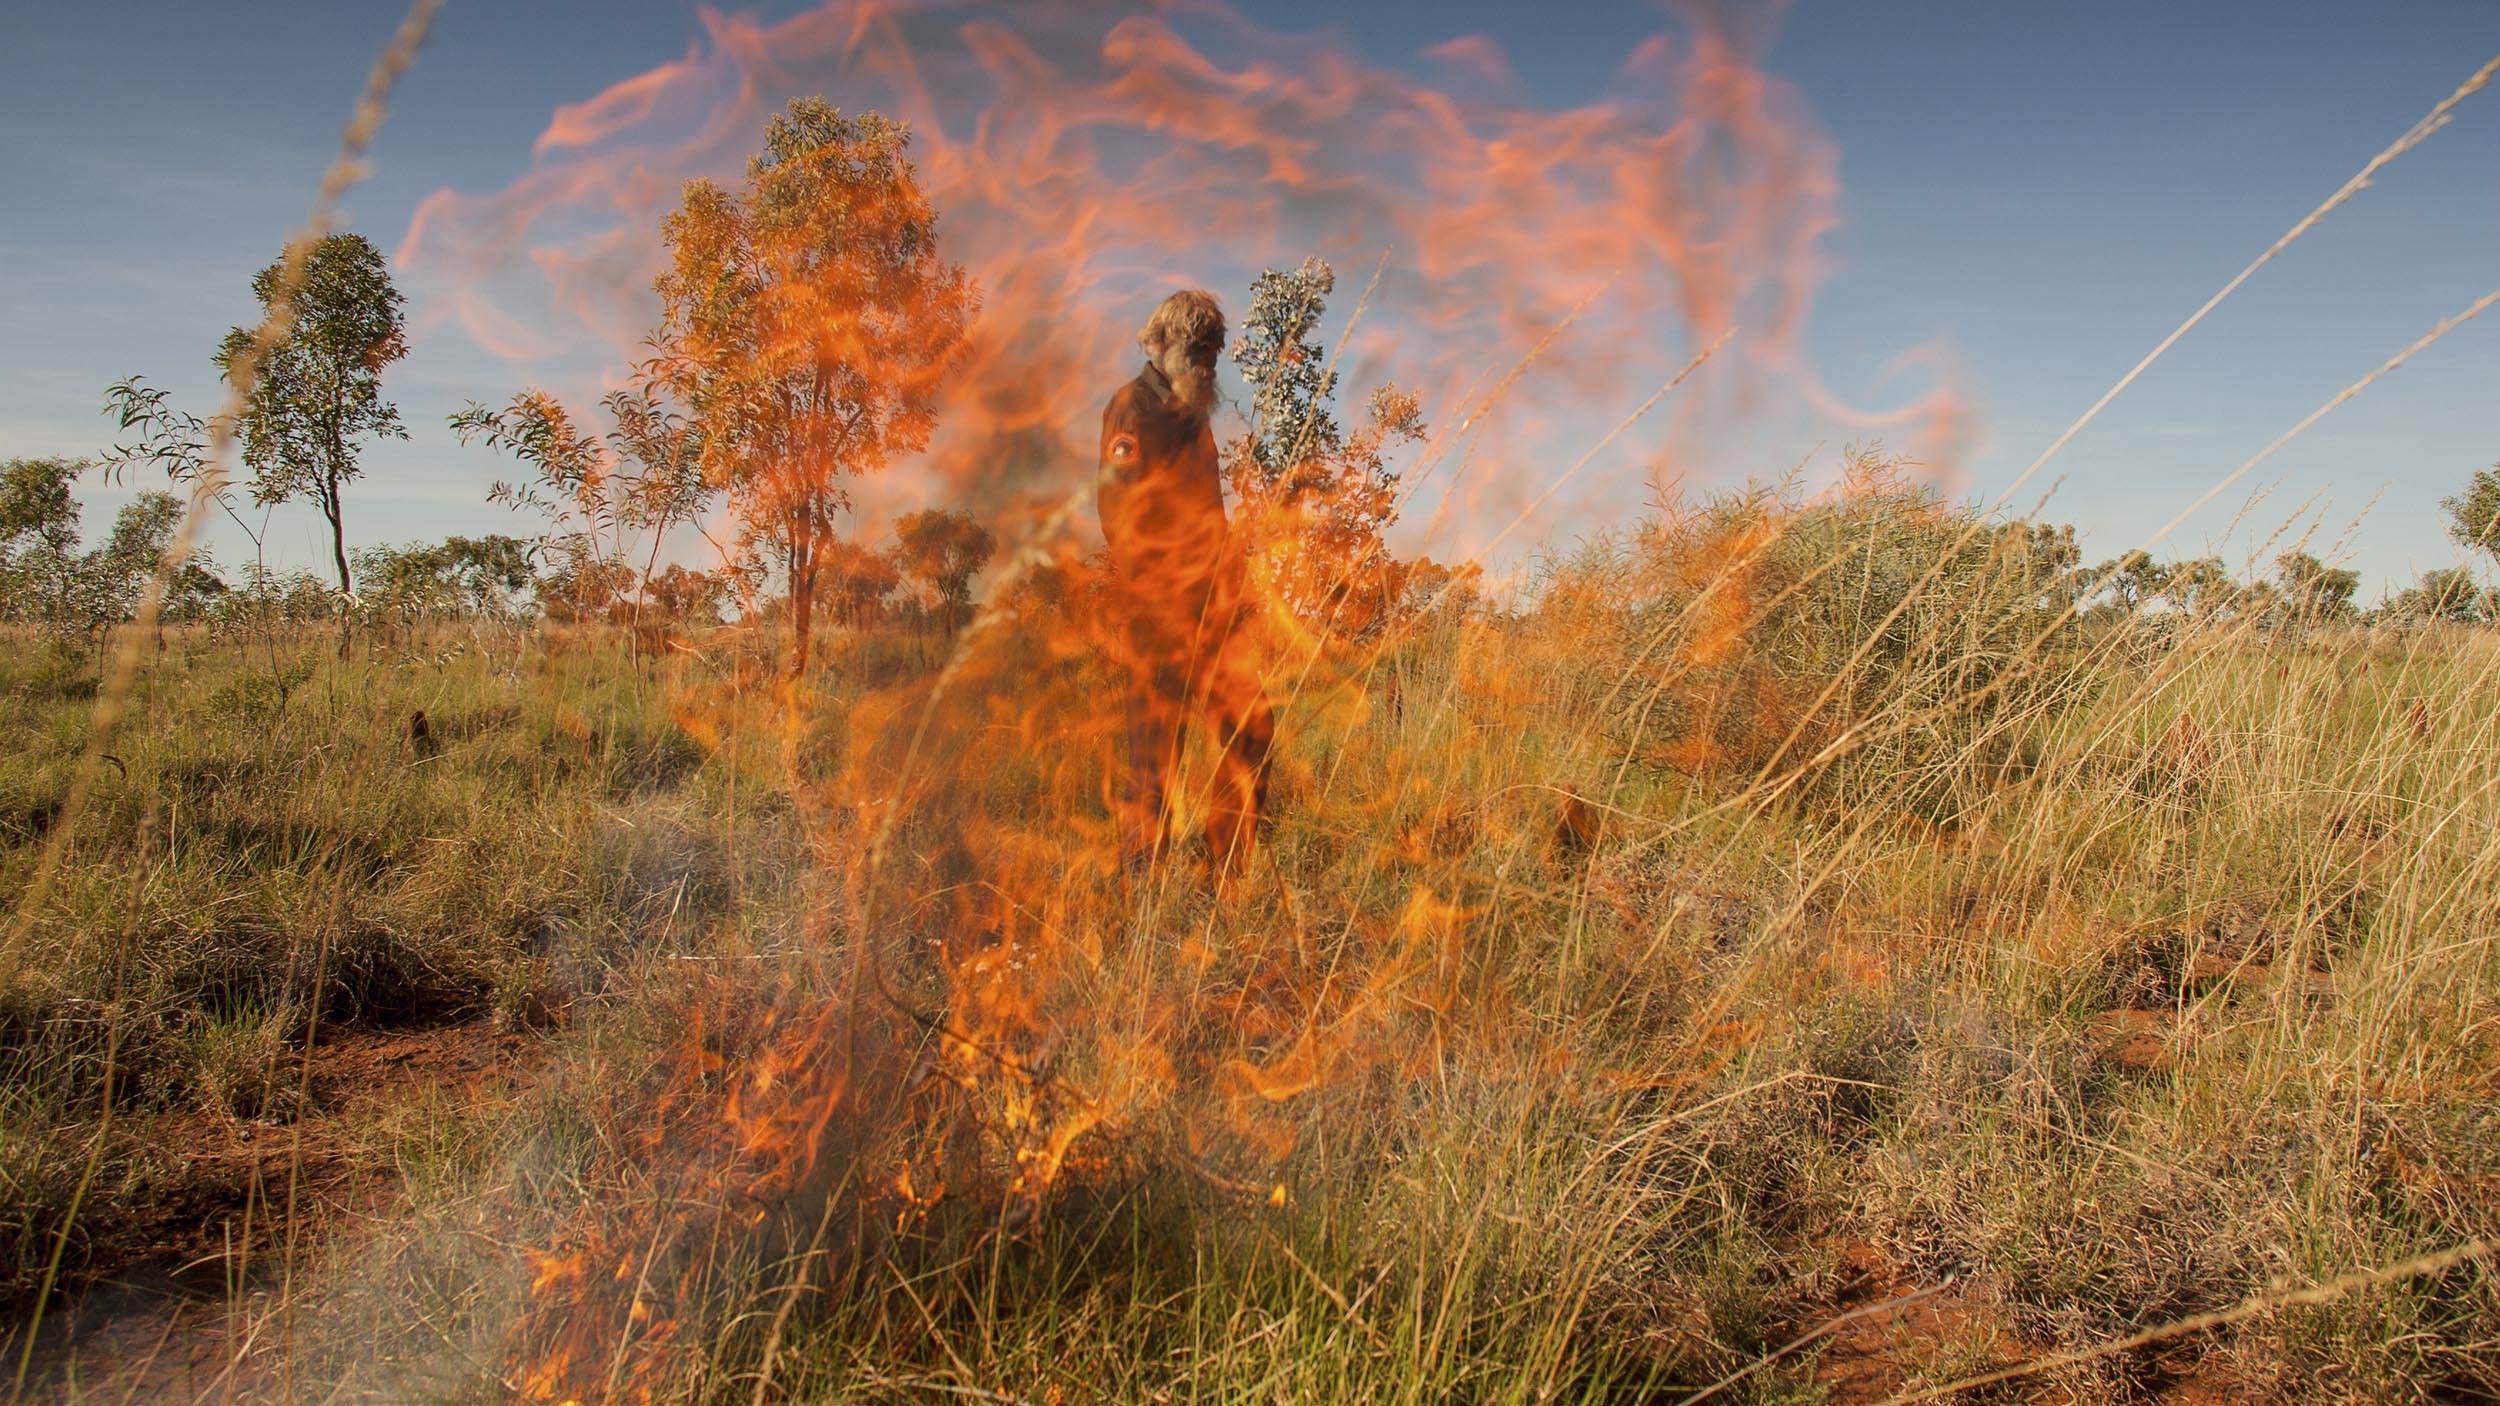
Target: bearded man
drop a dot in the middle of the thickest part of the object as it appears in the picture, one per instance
(1177, 592)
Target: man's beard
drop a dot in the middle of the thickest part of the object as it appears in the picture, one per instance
(1193, 386)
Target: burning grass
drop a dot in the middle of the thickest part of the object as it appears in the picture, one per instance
(1636, 971)
(1789, 903)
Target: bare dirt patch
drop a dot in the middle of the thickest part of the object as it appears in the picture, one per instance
(1928, 1335)
(1916, 1337)
(164, 1299)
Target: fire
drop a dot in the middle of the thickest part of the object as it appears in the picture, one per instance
(990, 1012)
(1721, 580)
(1083, 160)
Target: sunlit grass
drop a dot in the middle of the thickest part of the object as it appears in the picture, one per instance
(1842, 962)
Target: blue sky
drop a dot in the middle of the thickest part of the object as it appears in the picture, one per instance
(2035, 193)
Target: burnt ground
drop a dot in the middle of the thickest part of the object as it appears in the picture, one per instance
(169, 1301)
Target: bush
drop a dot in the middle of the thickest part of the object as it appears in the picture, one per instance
(1872, 644)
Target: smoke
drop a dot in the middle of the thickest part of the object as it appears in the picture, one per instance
(1087, 158)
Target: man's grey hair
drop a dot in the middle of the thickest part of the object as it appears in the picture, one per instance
(1182, 339)
(1190, 317)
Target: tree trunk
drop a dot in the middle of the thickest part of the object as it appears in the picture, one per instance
(642, 595)
(338, 533)
(338, 554)
(802, 595)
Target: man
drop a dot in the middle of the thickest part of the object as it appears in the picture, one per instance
(1178, 591)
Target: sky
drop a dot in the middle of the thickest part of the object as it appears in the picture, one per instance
(2026, 199)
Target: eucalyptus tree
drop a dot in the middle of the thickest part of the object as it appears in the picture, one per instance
(807, 323)
(314, 396)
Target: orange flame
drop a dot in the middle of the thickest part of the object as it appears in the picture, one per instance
(1084, 161)
(1015, 1014)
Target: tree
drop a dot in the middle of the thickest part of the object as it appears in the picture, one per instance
(580, 589)
(112, 577)
(45, 579)
(488, 571)
(2201, 588)
(807, 322)
(645, 476)
(2474, 515)
(2043, 557)
(1428, 587)
(477, 576)
(2312, 590)
(2445, 594)
(856, 580)
(39, 537)
(1292, 426)
(142, 532)
(2133, 580)
(942, 550)
(1325, 501)
(192, 592)
(317, 393)
(692, 596)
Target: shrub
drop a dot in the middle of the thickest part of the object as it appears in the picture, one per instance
(1874, 642)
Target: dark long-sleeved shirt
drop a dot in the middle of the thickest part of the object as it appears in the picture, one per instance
(1157, 488)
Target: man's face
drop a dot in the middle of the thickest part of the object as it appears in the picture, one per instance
(1203, 351)
(1190, 367)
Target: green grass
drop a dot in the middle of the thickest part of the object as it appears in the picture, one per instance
(1541, 1119)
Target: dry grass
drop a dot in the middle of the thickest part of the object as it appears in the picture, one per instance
(2121, 971)
(1787, 889)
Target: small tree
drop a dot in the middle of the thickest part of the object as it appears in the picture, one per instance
(317, 394)
(458, 576)
(581, 551)
(39, 538)
(2445, 594)
(142, 532)
(807, 321)
(1326, 500)
(694, 597)
(2474, 515)
(175, 442)
(571, 487)
(193, 591)
(2200, 588)
(660, 459)
(645, 476)
(170, 440)
(2134, 580)
(1292, 424)
(856, 581)
(113, 576)
(942, 550)
(2311, 590)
